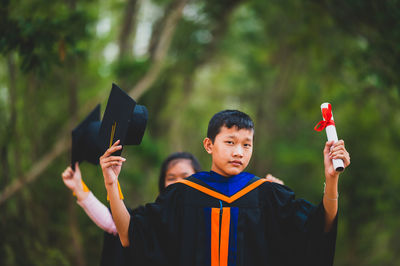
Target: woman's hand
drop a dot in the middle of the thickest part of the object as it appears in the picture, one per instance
(73, 180)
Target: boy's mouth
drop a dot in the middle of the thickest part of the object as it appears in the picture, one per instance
(236, 163)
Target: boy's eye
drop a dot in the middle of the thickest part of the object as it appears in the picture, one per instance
(171, 178)
(229, 142)
(247, 145)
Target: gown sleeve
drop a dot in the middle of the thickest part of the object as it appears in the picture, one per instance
(301, 224)
(154, 229)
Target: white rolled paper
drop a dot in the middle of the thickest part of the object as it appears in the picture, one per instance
(332, 135)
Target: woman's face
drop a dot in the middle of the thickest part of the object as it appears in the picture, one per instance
(177, 170)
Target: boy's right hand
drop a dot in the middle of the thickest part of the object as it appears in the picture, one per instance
(111, 165)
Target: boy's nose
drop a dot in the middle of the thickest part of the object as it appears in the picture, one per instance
(238, 151)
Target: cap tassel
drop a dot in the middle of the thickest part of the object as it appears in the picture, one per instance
(113, 128)
(85, 188)
(121, 196)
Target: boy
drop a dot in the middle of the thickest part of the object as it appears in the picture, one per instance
(227, 216)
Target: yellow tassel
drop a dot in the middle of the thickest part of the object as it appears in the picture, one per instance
(121, 196)
(85, 188)
(113, 128)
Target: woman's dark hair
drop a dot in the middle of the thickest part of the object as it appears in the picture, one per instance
(173, 157)
(228, 118)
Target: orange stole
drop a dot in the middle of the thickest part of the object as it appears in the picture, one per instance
(220, 238)
(220, 196)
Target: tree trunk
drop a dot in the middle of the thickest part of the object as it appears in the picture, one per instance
(79, 257)
(30, 116)
(127, 34)
(10, 131)
(14, 134)
(5, 165)
(73, 222)
(161, 49)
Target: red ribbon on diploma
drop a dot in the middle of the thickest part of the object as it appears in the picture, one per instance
(327, 115)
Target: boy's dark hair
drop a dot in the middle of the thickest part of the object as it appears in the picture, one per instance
(173, 157)
(228, 118)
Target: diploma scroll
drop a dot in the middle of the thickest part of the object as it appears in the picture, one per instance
(331, 134)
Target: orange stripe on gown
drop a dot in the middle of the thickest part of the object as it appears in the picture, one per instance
(224, 245)
(215, 236)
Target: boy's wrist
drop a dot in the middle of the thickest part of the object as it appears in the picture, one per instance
(331, 182)
(111, 185)
(331, 188)
(332, 178)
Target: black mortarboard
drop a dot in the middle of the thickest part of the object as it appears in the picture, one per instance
(137, 125)
(123, 120)
(85, 141)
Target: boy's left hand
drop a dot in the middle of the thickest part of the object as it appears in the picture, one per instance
(111, 165)
(334, 151)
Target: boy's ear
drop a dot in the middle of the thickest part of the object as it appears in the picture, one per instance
(207, 143)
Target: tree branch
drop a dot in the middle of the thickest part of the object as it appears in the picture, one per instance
(38, 167)
(160, 51)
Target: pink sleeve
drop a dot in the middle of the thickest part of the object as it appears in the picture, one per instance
(99, 213)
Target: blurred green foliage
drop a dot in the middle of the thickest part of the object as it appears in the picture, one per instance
(276, 60)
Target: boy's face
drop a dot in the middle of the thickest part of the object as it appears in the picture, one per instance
(231, 150)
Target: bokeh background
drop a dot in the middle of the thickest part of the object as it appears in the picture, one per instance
(185, 60)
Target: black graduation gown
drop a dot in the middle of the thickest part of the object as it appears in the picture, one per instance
(113, 253)
(263, 224)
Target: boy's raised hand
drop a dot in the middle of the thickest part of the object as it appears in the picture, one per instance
(111, 165)
(334, 151)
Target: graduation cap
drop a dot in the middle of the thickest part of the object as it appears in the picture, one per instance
(85, 142)
(123, 120)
